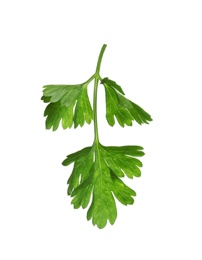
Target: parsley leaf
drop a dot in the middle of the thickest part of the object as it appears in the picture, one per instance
(96, 173)
(69, 103)
(95, 180)
(122, 108)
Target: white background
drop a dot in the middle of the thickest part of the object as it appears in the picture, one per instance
(154, 51)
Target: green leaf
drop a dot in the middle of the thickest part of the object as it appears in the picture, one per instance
(123, 109)
(122, 192)
(121, 160)
(96, 175)
(83, 161)
(67, 103)
(103, 205)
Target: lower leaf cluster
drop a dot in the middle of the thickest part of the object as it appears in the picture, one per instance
(96, 178)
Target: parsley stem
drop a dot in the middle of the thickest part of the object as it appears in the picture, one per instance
(100, 59)
(97, 78)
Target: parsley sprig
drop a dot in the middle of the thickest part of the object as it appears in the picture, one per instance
(98, 169)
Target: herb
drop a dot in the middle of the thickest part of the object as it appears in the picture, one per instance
(98, 169)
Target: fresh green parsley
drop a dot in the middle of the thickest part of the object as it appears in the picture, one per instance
(98, 169)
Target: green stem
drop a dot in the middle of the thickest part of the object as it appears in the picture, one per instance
(97, 77)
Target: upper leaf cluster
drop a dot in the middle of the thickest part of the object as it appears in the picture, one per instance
(69, 104)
